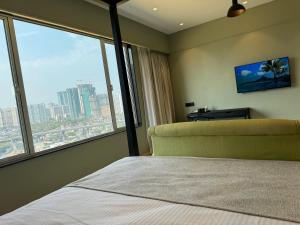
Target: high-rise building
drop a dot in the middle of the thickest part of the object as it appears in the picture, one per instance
(9, 117)
(59, 112)
(82, 101)
(104, 106)
(94, 106)
(1, 119)
(86, 93)
(62, 98)
(55, 111)
(102, 100)
(66, 111)
(38, 113)
(70, 98)
(74, 102)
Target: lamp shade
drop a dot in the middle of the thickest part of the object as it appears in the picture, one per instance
(236, 9)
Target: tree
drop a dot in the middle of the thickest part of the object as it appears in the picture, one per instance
(276, 66)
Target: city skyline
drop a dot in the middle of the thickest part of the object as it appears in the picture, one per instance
(42, 112)
(53, 124)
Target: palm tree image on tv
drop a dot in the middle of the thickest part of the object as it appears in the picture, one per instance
(263, 75)
(276, 66)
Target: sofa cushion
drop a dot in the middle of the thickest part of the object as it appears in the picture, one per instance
(241, 139)
(228, 128)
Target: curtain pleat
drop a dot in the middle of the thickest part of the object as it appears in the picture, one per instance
(162, 88)
(157, 87)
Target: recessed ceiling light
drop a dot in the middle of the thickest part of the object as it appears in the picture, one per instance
(155, 9)
(181, 24)
(245, 2)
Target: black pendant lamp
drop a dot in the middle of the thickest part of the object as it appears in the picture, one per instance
(236, 9)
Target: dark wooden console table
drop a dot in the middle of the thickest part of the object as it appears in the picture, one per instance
(220, 114)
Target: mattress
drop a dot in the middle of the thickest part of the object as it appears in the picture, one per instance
(77, 204)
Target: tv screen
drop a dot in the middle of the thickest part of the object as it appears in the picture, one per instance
(263, 75)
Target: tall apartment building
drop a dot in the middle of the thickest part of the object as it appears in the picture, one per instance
(87, 94)
(39, 113)
(70, 98)
(9, 117)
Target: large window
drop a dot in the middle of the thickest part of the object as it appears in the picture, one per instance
(69, 84)
(64, 83)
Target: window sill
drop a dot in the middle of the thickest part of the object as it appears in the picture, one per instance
(25, 156)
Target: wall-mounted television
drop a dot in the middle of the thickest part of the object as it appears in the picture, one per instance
(263, 75)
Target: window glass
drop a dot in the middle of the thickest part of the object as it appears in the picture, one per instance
(11, 142)
(132, 84)
(115, 82)
(64, 83)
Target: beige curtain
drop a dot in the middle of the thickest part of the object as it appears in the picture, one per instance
(157, 87)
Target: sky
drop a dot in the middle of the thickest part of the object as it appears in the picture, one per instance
(6, 84)
(53, 60)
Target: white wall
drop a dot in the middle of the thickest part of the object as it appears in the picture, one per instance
(203, 60)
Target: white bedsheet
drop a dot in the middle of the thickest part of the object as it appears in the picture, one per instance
(71, 205)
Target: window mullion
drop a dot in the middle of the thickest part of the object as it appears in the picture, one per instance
(19, 86)
(109, 86)
(133, 78)
(131, 84)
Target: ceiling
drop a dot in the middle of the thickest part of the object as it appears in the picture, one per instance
(170, 13)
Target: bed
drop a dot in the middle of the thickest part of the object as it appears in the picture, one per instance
(261, 189)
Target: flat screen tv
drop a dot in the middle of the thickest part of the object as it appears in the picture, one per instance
(263, 75)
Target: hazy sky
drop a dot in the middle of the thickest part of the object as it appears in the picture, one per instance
(51, 61)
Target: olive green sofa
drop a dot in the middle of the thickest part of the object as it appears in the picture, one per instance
(239, 139)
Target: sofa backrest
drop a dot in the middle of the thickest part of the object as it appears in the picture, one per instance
(239, 139)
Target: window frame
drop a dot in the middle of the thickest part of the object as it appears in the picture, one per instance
(131, 67)
(19, 89)
(8, 27)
